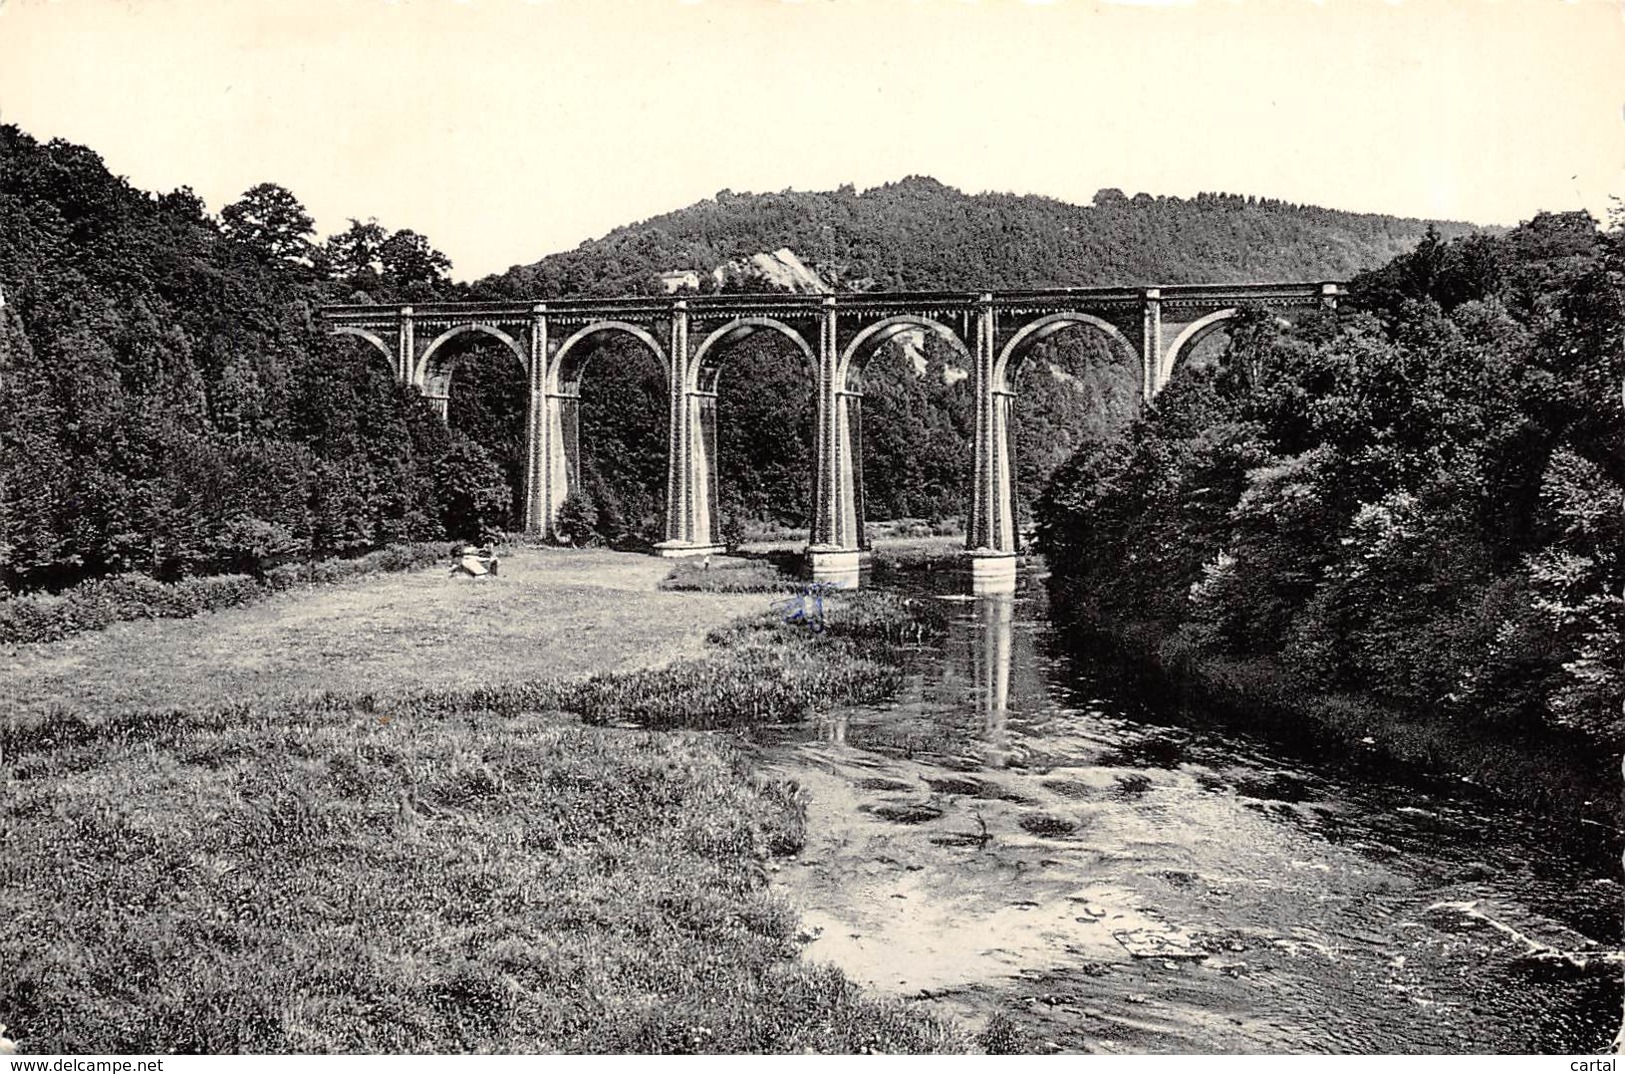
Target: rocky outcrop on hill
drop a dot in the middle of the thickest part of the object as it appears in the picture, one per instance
(918, 234)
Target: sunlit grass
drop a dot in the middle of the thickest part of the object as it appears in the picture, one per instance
(561, 613)
(354, 881)
(441, 869)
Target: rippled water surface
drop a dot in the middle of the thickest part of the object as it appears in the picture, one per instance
(1014, 835)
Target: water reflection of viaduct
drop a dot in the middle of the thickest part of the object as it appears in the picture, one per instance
(976, 663)
(992, 334)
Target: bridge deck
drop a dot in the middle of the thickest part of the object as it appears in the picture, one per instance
(1081, 297)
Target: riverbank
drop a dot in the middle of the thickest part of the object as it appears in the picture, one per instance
(1063, 862)
(1548, 772)
(455, 858)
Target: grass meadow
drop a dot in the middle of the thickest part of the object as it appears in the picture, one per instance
(422, 855)
(558, 613)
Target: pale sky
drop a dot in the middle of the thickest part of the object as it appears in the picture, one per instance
(505, 130)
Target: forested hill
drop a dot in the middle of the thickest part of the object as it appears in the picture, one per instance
(919, 234)
(169, 406)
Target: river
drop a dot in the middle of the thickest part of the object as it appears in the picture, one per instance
(1020, 843)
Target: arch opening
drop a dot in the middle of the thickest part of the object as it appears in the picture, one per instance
(1198, 345)
(910, 405)
(757, 429)
(370, 348)
(1064, 381)
(480, 386)
(710, 356)
(376, 345)
(868, 342)
(570, 360)
(613, 409)
(1015, 353)
(434, 366)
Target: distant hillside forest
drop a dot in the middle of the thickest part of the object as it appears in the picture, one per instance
(168, 405)
(1412, 509)
(916, 234)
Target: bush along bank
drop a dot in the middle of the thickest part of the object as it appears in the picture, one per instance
(1562, 774)
(729, 574)
(1403, 516)
(97, 604)
(473, 871)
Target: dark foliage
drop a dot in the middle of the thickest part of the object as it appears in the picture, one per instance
(168, 407)
(624, 418)
(1419, 506)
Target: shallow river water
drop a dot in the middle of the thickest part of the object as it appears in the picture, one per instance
(1013, 834)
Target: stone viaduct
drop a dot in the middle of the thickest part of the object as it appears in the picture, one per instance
(992, 332)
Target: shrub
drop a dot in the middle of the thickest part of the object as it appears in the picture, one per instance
(728, 575)
(1001, 1036)
(97, 604)
(475, 495)
(286, 576)
(190, 596)
(577, 519)
(245, 545)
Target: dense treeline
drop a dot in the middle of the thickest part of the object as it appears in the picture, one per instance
(920, 234)
(1411, 509)
(167, 405)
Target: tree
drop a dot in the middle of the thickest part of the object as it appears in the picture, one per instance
(353, 254)
(1575, 587)
(1280, 539)
(1417, 505)
(409, 261)
(765, 432)
(269, 220)
(577, 519)
(476, 496)
(623, 412)
(166, 405)
(487, 405)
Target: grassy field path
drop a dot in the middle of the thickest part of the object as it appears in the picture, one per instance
(564, 613)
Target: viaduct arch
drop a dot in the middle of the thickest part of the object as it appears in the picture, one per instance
(993, 332)
(431, 374)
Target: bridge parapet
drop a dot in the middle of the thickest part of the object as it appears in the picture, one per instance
(1080, 299)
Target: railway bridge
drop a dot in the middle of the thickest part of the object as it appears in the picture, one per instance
(992, 332)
